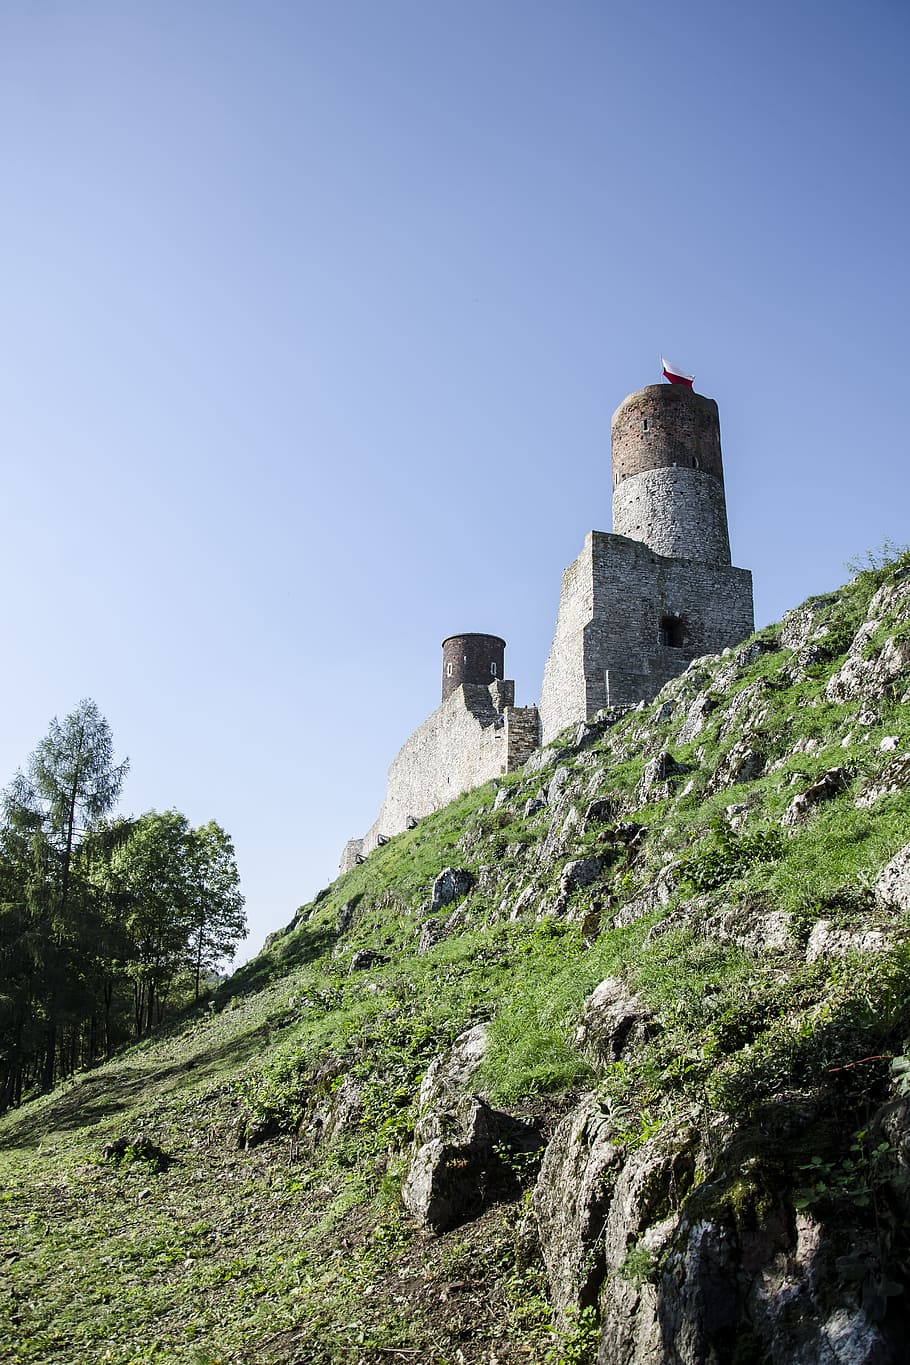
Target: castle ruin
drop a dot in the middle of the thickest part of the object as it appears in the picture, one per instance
(636, 607)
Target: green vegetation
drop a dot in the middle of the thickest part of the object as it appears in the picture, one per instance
(101, 923)
(775, 979)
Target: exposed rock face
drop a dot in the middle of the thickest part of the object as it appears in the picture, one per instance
(867, 671)
(611, 1018)
(459, 1140)
(365, 958)
(892, 886)
(571, 1199)
(451, 884)
(830, 784)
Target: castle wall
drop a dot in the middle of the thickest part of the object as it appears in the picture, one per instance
(476, 734)
(607, 647)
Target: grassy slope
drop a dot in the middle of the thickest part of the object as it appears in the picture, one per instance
(251, 1246)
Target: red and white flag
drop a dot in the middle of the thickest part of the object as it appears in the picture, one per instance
(676, 375)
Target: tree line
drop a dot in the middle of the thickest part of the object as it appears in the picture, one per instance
(105, 923)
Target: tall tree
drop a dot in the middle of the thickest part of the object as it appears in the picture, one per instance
(219, 921)
(70, 783)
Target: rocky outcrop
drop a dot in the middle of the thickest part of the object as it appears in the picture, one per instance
(461, 1145)
(611, 1019)
(892, 885)
(830, 784)
(451, 884)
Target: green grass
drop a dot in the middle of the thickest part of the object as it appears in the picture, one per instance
(279, 1251)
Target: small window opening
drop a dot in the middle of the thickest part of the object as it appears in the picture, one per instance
(493, 670)
(644, 424)
(449, 670)
(695, 464)
(671, 631)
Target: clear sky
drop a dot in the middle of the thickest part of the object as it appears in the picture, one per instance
(313, 316)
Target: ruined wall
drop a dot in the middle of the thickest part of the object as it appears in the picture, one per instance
(616, 599)
(476, 734)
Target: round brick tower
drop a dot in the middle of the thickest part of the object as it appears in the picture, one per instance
(471, 659)
(668, 477)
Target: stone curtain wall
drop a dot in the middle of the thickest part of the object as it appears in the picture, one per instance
(607, 648)
(680, 513)
(475, 735)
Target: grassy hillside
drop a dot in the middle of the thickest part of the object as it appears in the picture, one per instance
(271, 1227)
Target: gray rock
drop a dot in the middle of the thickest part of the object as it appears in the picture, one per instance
(612, 1019)
(346, 916)
(806, 624)
(457, 1162)
(892, 885)
(829, 785)
(895, 776)
(578, 873)
(533, 806)
(827, 941)
(558, 783)
(655, 779)
(451, 884)
(570, 1203)
(365, 958)
(599, 812)
(696, 718)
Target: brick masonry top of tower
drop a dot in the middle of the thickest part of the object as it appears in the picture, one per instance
(471, 658)
(665, 426)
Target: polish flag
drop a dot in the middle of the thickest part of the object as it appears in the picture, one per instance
(676, 375)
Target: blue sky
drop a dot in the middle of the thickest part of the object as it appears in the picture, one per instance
(314, 316)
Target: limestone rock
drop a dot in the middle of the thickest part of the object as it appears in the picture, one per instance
(830, 784)
(741, 763)
(570, 1202)
(599, 812)
(457, 1161)
(365, 958)
(892, 885)
(827, 941)
(654, 784)
(346, 916)
(578, 873)
(696, 718)
(806, 624)
(895, 776)
(611, 1019)
(451, 884)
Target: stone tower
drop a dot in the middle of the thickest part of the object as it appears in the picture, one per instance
(668, 475)
(639, 605)
(471, 659)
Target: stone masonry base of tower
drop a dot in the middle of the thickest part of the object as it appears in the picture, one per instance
(476, 734)
(630, 620)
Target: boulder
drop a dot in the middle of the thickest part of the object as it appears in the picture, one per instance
(892, 885)
(655, 780)
(459, 1160)
(696, 718)
(365, 958)
(451, 884)
(830, 784)
(612, 1018)
(578, 873)
(894, 777)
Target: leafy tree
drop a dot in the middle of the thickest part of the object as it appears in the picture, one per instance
(152, 890)
(71, 781)
(219, 922)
